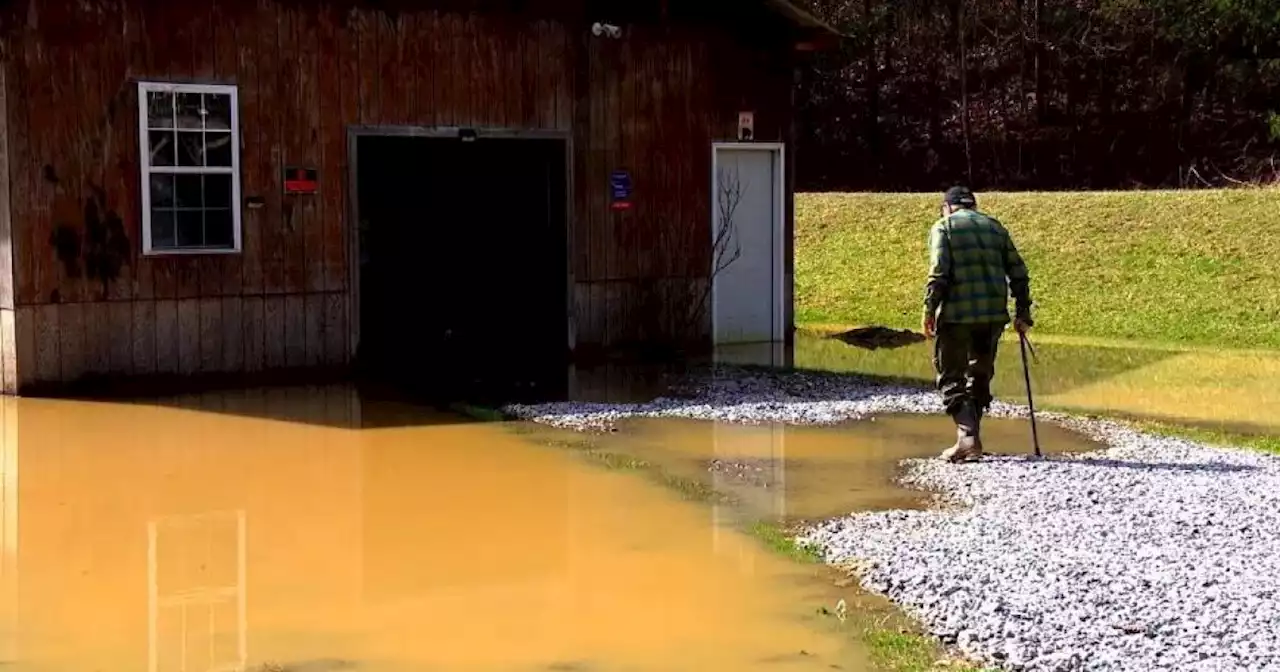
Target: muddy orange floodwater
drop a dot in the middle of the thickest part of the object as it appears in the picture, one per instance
(306, 530)
(777, 472)
(140, 537)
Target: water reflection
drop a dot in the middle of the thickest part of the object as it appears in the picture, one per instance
(372, 405)
(8, 531)
(754, 457)
(774, 355)
(196, 592)
(158, 536)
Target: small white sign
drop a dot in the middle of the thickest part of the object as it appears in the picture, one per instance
(746, 125)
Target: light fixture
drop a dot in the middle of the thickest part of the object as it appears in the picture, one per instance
(467, 134)
(606, 30)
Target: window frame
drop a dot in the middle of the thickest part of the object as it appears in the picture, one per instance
(146, 170)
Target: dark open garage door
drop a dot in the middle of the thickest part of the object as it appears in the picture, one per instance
(463, 265)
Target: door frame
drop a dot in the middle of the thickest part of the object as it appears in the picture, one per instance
(357, 131)
(778, 151)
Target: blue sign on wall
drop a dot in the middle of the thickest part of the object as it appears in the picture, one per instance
(620, 189)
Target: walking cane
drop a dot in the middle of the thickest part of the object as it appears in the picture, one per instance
(1026, 374)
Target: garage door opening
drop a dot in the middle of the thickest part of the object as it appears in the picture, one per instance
(463, 269)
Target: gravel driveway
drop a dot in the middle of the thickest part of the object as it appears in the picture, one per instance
(1152, 554)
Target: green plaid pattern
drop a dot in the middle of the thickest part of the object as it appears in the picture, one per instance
(973, 267)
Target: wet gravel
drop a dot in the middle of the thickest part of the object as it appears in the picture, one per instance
(1151, 554)
(750, 397)
(753, 472)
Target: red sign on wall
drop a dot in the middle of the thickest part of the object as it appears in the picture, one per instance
(300, 181)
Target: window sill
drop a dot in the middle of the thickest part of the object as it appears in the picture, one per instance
(189, 252)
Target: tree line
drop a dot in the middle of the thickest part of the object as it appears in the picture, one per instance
(1043, 94)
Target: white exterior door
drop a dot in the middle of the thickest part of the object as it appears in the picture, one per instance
(746, 234)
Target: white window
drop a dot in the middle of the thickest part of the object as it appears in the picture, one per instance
(190, 144)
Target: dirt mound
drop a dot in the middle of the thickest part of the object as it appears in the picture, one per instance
(872, 338)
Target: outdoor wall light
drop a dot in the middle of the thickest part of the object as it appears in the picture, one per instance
(467, 134)
(606, 29)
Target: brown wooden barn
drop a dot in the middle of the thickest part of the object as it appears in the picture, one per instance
(239, 187)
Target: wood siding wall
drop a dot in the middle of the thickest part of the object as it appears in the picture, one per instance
(83, 301)
(8, 316)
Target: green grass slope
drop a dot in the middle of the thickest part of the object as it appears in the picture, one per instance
(1197, 267)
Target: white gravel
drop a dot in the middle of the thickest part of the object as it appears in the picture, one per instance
(1152, 554)
(752, 397)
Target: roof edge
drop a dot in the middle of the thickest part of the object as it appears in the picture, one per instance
(803, 17)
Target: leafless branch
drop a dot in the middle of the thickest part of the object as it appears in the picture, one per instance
(1192, 172)
(675, 306)
(159, 148)
(726, 246)
(1228, 178)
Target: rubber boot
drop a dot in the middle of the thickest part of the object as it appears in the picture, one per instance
(972, 427)
(968, 446)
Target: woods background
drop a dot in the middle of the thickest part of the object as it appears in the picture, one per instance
(1043, 94)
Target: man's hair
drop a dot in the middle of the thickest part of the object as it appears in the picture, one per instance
(960, 197)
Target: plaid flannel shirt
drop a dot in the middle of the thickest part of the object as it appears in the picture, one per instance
(973, 268)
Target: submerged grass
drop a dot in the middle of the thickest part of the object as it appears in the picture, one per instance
(688, 488)
(479, 413)
(902, 652)
(1157, 389)
(780, 539)
(1059, 367)
(1181, 267)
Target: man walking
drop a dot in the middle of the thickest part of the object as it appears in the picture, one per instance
(974, 267)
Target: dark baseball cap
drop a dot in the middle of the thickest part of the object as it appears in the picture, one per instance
(960, 197)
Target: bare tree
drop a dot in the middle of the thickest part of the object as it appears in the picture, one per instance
(964, 89)
(726, 247)
(677, 309)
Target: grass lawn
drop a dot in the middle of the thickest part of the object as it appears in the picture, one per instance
(1267, 443)
(1198, 267)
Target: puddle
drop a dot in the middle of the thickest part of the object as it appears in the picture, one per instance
(787, 473)
(1229, 390)
(208, 535)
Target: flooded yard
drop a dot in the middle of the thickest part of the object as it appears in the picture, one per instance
(1231, 390)
(1115, 558)
(307, 529)
(311, 529)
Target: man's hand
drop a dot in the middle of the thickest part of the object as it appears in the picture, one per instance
(1021, 326)
(929, 326)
